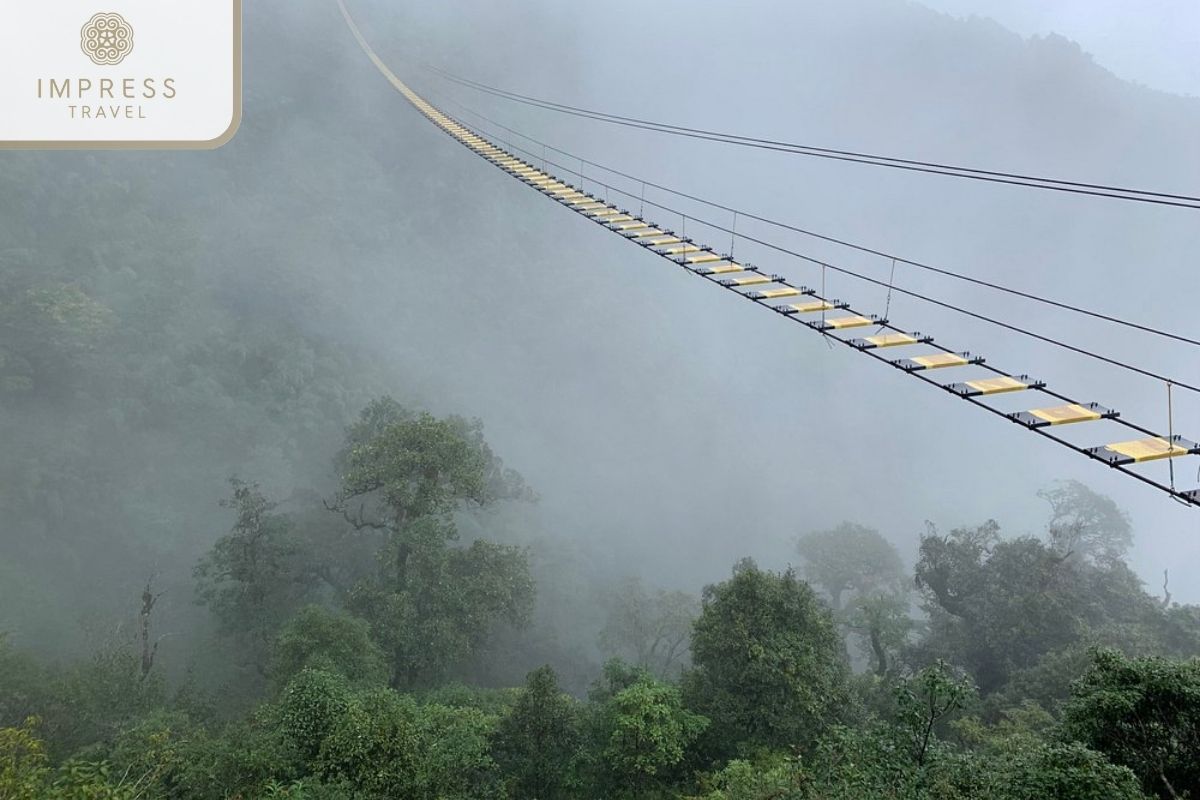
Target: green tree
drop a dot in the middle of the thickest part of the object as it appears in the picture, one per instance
(1086, 524)
(432, 603)
(643, 734)
(537, 743)
(322, 639)
(923, 701)
(46, 331)
(445, 601)
(26, 688)
(255, 577)
(387, 746)
(1042, 770)
(652, 630)
(850, 559)
(1054, 771)
(398, 466)
(24, 765)
(26, 773)
(1143, 713)
(770, 666)
(882, 623)
(96, 699)
(998, 607)
(310, 707)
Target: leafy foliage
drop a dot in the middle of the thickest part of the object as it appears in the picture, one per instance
(411, 465)
(1086, 524)
(850, 559)
(642, 733)
(1143, 713)
(999, 606)
(537, 744)
(387, 746)
(770, 667)
(650, 629)
(254, 577)
(317, 638)
(430, 603)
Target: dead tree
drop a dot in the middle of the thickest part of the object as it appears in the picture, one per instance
(149, 600)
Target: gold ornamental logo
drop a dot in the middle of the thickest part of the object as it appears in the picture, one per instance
(106, 39)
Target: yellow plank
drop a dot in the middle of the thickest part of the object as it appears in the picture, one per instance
(749, 280)
(680, 249)
(782, 291)
(939, 360)
(848, 322)
(702, 258)
(997, 385)
(1148, 449)
(810, 307)
(647, 232)
(723, 269)
(891, 339)
(1064, 415)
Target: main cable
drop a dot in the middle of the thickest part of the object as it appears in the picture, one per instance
(739, 212)
(834, 240)
(868, 279)
(928, 167)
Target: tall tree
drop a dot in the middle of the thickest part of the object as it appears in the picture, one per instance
(850, 559)
(998, 607)
(883, 625)
(770, 667)
(1086, 524)
(1143, 713)
(431, 602)
(924, 700)
(651, 630)
(643, 733)
(255, 577)
(537, 743)
(317, 638)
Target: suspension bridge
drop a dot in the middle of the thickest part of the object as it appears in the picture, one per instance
(958, 373)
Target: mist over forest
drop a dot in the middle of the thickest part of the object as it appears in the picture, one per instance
(336, 464)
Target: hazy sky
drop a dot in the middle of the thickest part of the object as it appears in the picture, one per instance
(657, 391)
(1153, 42)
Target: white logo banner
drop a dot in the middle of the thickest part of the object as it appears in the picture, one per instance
(120, 73)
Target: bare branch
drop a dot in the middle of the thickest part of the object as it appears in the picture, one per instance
(357, 521)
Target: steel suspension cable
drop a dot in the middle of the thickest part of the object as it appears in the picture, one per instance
(928, 167)
(739, 212)
(1118, 455)
(868, 279)
(890, 286)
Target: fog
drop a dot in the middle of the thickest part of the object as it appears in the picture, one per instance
(748, 428)
(1153, 49)
(341, 248)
